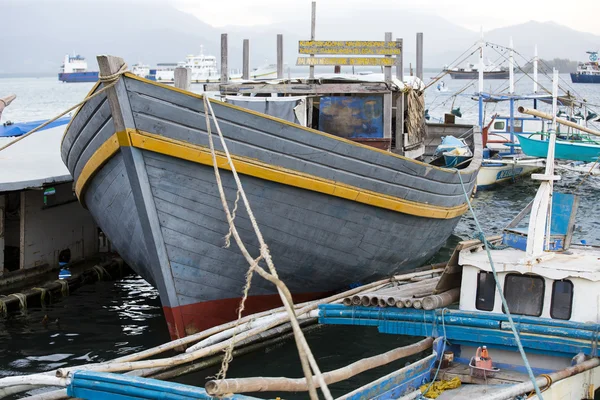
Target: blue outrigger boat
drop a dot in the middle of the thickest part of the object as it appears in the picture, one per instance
(575, 145)
(565, 150)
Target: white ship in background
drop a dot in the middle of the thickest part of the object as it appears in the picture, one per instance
(140, 69)
(204, 69)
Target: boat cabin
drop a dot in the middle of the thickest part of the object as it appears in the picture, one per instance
(557, 288)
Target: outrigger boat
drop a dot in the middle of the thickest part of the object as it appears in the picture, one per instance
(527, 325)
(575, 145)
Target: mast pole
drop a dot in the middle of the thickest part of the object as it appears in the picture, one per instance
(511, 68)
(535, 69)
(481, 45)
(538, 235)
(511, 92)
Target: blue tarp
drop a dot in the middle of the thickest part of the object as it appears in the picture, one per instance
(21, 128)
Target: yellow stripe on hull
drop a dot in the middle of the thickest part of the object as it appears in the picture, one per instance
(247, 166)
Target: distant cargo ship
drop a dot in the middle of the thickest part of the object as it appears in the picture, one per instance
(490, 71)
(588, 72)
(74, 69)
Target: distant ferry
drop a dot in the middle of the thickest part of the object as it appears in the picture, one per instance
(588, 72)
(490, 71)
(140, 69)
(74, 69)
(204, 69)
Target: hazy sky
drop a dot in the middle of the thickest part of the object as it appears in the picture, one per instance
(581, 15)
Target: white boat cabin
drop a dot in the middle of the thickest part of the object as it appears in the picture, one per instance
(499, 131)
(562, 285)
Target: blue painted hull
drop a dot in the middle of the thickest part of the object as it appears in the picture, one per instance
(21, 128)
(78, 77)
(563, 151)
(581, 78)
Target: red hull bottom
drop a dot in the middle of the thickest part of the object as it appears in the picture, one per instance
(192, 318)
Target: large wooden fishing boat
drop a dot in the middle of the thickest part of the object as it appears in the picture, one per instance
(333, 211)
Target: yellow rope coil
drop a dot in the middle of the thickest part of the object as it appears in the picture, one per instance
(437, 388)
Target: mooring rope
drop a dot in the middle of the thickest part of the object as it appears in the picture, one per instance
(306, 357)
(109, 81)
(3, 308)
(43, 292)
(101, 271)
(64, 290)
(22, 300)
(501, 293)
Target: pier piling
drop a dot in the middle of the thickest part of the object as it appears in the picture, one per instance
(420, 55)
(224, 71)
(279, 56)
(246, 60)
(183, 78)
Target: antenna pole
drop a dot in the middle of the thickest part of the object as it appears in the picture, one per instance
(535, 69)
(481, 45)
(511, 68)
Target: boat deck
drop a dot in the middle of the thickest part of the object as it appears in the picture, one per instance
(469, 392)
(462, 371)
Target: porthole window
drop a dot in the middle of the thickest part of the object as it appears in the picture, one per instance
(524, 294)
(499, 125)
(562, 299)
(486, 291)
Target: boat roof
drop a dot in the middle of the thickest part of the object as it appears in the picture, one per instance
(577, 262)
(564, 100)
(33, 162)
(408, 81)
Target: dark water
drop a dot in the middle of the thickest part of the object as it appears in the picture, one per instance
(109, 319)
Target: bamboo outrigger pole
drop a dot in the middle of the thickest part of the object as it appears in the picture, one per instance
(561, 121)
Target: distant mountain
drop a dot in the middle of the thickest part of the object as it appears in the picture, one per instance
(553, 40)
(151, 32)
(561, 64)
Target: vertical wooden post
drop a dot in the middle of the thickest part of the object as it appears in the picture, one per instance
(246, 60)
(279, 56)
(224, 69)
(387, 97)
(313, 18)
(387, 71)
(400, 100)
(399, 60)
(311, 74)
(183, 78)
(420, 55)
(22, 226)
(2, 231)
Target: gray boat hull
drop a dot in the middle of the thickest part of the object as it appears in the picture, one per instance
(333, 213)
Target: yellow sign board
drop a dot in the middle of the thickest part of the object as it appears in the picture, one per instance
(349, 47)
(386, 62)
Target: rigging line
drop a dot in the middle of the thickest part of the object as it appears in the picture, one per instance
(526, 73)
(436, 79)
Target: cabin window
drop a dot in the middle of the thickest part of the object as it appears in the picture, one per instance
(486, 291)
(562, 299)
(499, 125)
(524, 294)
